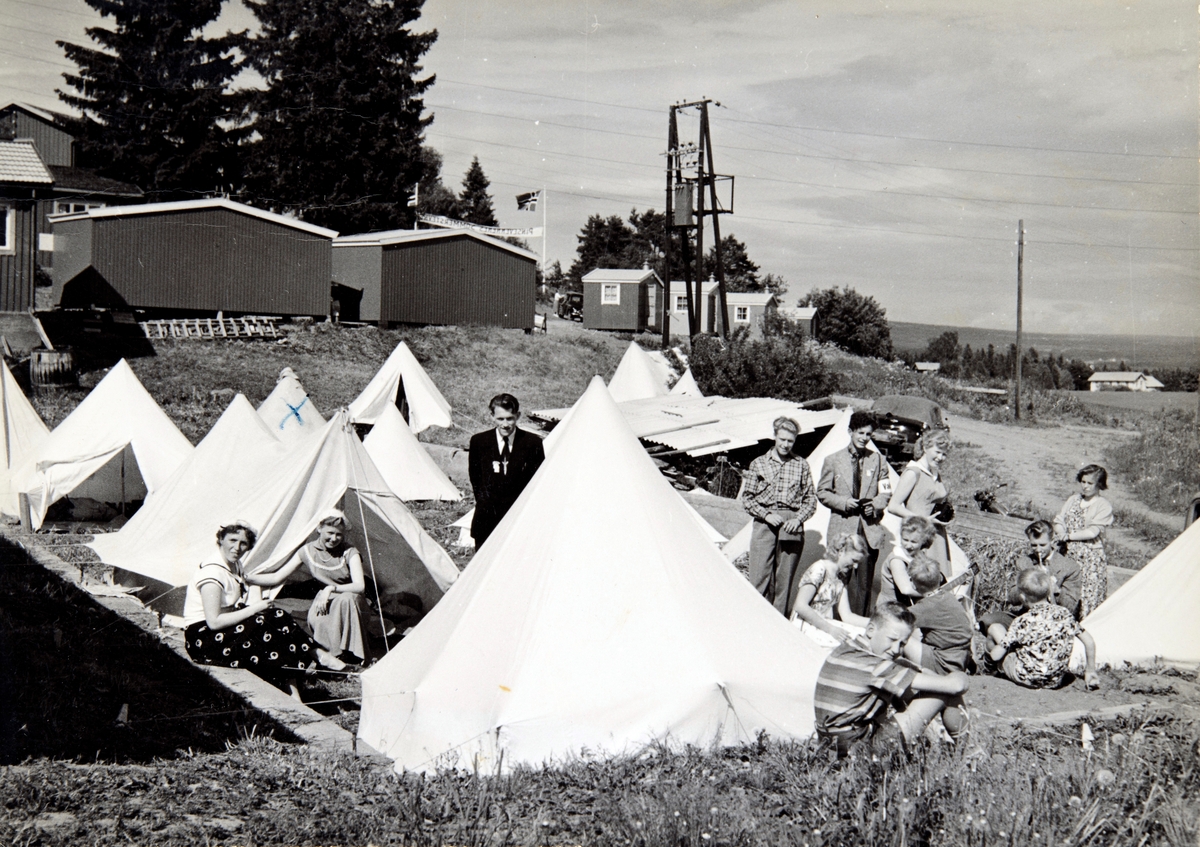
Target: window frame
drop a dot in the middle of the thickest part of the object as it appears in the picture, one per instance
(741, 314)
(610, 294)
(8, 246)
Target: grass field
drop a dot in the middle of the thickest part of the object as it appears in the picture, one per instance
(1140, 401)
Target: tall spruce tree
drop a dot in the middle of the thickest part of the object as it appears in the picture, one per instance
(339, 122)
(474, 202)
(153, 98)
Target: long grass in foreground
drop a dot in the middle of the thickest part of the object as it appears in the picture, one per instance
(1138, 785)
(1162, 465)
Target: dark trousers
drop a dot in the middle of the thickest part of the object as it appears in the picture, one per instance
(861, 590)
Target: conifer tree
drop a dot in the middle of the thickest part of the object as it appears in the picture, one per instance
(154, 97)
(339, 123)
(474, 202)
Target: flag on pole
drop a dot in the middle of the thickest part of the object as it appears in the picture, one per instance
(412, 198)
(528, 201)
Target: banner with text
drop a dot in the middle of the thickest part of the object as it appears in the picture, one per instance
(502, 232)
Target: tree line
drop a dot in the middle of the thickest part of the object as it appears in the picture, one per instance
(320, 113)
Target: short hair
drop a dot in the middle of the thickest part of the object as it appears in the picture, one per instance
(335, 518)
(1034, 584)
(1039, 529)
(916, 525)
(237, 526)
(861, 418)
(1100, 473)
(850, 540)
(893, 612)
(931, 438)
(506, 402)
(785, 423)
(925, 573)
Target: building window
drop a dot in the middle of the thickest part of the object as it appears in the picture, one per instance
(741, 314)
(680, 302)
(8, 230)
(64, 207)
(610, 294)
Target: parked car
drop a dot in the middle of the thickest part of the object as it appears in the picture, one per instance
(570, 308)
(900, 420)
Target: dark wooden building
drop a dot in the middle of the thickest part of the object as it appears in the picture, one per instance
(192, 257)
(434, 276)
(626, 300)
(24, 180)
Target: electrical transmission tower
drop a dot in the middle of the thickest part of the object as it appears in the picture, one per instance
(690, 173)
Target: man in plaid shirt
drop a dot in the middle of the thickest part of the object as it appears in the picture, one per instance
(780, 496)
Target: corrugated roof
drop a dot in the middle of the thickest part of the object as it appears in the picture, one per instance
(86, 180)
(1115, 376)
(404, 236)
(703, 425)
(188, 205)
(20, 163)
(618, 275)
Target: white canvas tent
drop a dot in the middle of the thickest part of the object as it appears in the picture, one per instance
(406, 466)
(288, 410)
(176, 527)
(597, 617)
(638, 376)
(1155, 616)
(686, 386)
(116, 446)
(24, 433)
(402, 373)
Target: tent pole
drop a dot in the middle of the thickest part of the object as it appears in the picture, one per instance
(4, 393)
(123, 482)
(362, 520)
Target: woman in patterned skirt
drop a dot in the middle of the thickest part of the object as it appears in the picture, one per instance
(222, 628)
(1081, 525)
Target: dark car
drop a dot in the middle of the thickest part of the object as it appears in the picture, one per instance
(900, 420)
(570, 308)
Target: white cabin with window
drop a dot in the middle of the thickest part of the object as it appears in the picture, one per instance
(746, 309)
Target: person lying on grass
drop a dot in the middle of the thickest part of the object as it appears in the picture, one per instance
(1065, 574)
(823, 591)
(223, 628)
(916, 534)
(1036, 649)
(942, 639)
(867, 677)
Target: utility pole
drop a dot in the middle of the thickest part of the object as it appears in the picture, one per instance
(1020, 303)
(716, 218)
(668, 229)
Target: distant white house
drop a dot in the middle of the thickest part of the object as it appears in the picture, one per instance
(928, 367)
(745, 309)
(1123, 381)
(806, 316)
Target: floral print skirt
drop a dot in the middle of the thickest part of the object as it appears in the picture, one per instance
(271, 645)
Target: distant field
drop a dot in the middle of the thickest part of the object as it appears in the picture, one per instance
(1142, 401)
(1139, 353)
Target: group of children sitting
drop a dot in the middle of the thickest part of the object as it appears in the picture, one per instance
(922, 642)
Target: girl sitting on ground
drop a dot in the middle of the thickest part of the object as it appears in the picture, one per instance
(823, 591)
(916, 534)
(223, 628)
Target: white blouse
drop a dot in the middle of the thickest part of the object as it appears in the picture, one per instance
(233, 589)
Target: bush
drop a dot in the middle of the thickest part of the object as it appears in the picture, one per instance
(852, 321)
(783, 364)
(1162, 465)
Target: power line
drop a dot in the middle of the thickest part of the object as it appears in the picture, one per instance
(94, 17)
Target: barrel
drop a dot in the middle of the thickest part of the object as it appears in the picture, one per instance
(52, 369)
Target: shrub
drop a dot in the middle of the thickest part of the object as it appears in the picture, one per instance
(1162, 465)
(852, 321)
(783, 364)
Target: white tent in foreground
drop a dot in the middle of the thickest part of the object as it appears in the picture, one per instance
(638, 376)
(409, 470)
(176, 527)
(402, 373)
(24, 433)
(116, 446)
(687, 386)
(1156, 614)
(288, 410)
(597, 616)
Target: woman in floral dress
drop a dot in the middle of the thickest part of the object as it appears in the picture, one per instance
(1081, 525)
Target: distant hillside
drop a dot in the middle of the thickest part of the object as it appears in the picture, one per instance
(1140, 353)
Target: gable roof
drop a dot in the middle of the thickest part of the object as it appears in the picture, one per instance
(21, 164)
(1116, 376)
(192, 205)
(673, 645)
(620, 275)
(745, 298)
(406, 236)
(55, 119)
(88, 181)
(798, 313)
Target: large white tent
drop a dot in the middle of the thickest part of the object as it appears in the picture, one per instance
(289, 411)
(1155, 616)
(638, 376)
(597, 616)
(116, 446)
(406, 466)
(402, 375)
(176, 527)
(24, 433)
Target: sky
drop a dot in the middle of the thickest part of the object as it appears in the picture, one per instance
(890, 147)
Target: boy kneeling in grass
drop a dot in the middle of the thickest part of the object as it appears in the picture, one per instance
(942, 641)
(1036, 649)
(866, 675)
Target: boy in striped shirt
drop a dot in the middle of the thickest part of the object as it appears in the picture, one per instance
(866, 675)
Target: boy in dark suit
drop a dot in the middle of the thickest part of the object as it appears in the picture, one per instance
(501, 463)
(850, 487)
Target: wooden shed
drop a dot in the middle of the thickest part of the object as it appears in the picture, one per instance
(678, 305)
(443, 277)
(626, 300)
(194, 256)
(24, 182)
(745, 310)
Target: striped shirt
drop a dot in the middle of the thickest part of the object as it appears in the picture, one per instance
(773, 483)
(854, 685)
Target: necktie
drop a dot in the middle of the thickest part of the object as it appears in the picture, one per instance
(504, 457)
(857, 474)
